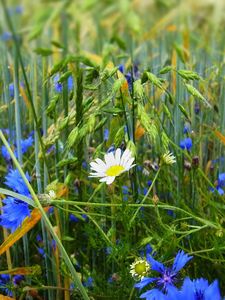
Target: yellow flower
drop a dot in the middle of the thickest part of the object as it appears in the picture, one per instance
(139, 268)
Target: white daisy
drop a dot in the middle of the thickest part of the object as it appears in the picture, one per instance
(139, 268)
(114, 165)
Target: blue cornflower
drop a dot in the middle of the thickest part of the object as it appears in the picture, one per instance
(53, 244)
(187, 128)
(221, 179)
(106, 134)
(70, 83)
(121, 68)
(167, 276)
(89, 283)
(125, 191)
(186, 143)
(11, 90)
(27, 143)
(111, 149)
(199, 289)
(4, 284)
(41, 251)
(17, 279)
(146, 251)
(39, 238)
(19, 9)
(85, 217)
(5, 153)
(220, 184)
(16, 183)
(59, 85)
(6, 36)
(73, 218)
(15, 211)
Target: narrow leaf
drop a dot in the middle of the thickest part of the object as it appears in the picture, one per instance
(33, 270)
(27, 225)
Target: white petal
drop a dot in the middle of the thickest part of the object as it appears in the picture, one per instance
(110, 179)
(110, 159)
(126, 156)
(118, 156)
(95, 166)
(97, 175)
(130, 167)
(104, 179)
(128, 163)
(100, 162)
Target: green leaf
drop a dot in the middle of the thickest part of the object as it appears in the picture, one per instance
(65, 162)
(188, 75)
(153, 79)
(182, 109)
(114, 110)
(165, 70)
(43, 51)
(194, 92)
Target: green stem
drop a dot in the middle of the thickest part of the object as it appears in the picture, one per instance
(18, 53)
(145, 197)
(47, 223)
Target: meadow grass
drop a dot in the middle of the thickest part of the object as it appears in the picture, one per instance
(78, 80)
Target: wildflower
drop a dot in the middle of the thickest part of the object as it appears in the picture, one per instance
(167, 276)
(125, 191)
(186, 144)
(52, 194)
(187, 128)
(5, 153)
(39, 238)
(11, 90)
(59, 85)
(73, 218)
(146, 251)
(17, 279)
(19, 9)
(15, 211)
(221, 179)
(199, 289)
(16, 183)
(5, 283)
(168, 158)
(6, 36)
(220, 184)
(70, 83)
(113, 166)
(111, 149)
(89, 283)
(139, 268)
(25, 145)
(197, 108)
(106, 134)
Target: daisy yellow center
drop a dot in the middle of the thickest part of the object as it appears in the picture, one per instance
(140, 268)
(115, 170)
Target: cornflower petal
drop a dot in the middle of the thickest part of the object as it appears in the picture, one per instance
(155, 265)
(180, 261)
(145, 281)
(153, 294)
